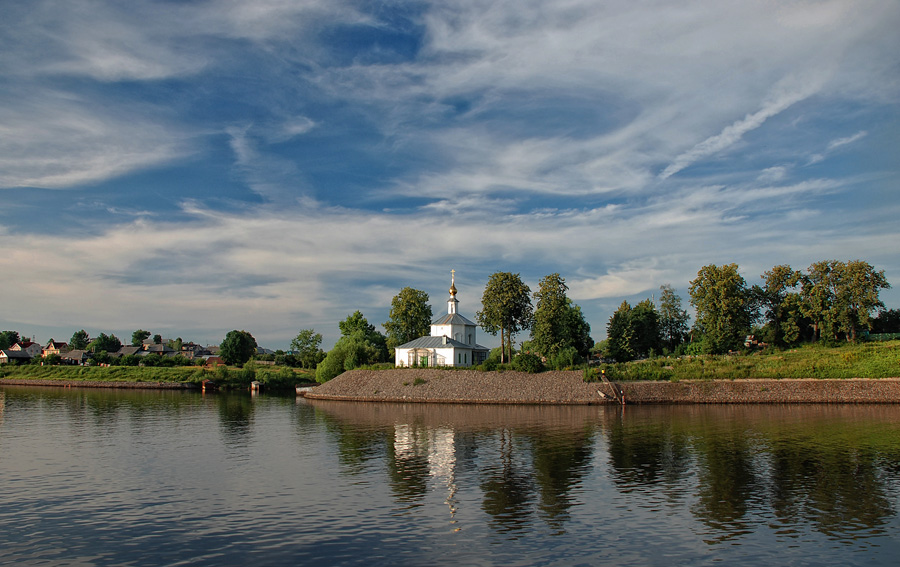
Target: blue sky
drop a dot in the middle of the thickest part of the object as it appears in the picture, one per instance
(195, 167)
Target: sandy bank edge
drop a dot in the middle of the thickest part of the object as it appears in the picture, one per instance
(472, 387)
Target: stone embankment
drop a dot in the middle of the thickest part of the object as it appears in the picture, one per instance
(470, 386)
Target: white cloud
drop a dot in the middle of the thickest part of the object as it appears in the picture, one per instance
(56, 140)
(848, 140)
(784, 95)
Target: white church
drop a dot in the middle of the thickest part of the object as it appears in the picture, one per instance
(452, 340)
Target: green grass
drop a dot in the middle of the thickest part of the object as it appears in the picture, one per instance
(863, 360)
(190, 374)
(273, 377)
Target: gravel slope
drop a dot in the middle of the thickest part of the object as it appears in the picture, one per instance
(470, 386)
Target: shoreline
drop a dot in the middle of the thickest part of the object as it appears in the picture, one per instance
(98, 384)
(439, 386)
(568, 388)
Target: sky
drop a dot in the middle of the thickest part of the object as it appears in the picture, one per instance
(193, 167)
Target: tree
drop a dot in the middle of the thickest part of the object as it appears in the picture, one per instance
(137, 337)
(157, 339)
(781, 304)
(558, 323)
(351, 351)
(645, 329)
(724, 307)
(633, 332)
(840, 297)
(79, 340)
(858, 297)
(306, 347)
(410, 317)
(579, 331)
(888, 321)
(237, 348)
(506, 308)
(8, 339)
(548, 331)
(673, 319)
(620, 335)
(176, 345)
(357, 325)
(105, 343)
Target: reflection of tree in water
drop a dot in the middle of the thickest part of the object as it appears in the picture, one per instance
(728, 481)
(560, 462)
(817, 472)
(840, 490)
(508, 488)
(235, 415)
(356, 446)
(645, 453)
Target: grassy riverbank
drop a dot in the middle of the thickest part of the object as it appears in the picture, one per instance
(275, 378)
(863, 360)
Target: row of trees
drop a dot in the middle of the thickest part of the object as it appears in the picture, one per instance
(831, 301)
(558, 328)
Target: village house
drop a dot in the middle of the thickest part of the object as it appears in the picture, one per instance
(54, 347)
(32, 348)
(10, 356)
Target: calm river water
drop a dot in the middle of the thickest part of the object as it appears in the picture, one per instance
(94, 477)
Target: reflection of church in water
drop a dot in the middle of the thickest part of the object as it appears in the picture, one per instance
(452, 340)
(421, 454)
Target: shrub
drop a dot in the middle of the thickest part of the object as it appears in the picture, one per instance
(566, 358)
(489, 365)
(530, 363)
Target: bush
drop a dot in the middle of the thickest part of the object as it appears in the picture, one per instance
(567, 358)
(489, 365)
(530, 363)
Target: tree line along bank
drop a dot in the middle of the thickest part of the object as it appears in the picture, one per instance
(831, 301)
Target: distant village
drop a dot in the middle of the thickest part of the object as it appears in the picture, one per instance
(58, 352)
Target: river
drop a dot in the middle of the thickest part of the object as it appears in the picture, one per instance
(122, 477)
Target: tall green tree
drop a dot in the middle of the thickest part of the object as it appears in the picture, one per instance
(8, 338)
(79, 340)
(724, 307)
(356, 325)
(137, 337)
(860, 297)
(506, 308)
(306, 346)
(620, 335)
(633, 332)
(558, 323)
(673, 320)
(410, 317)
(105, 343)
(237, 348)
(645, 329)
(548, 331)
(840, 297)
(781, 305)
(351, 351)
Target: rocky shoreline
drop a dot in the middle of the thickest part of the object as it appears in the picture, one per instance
(473, 387)
(556, 388)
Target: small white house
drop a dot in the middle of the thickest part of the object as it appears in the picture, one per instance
(452, 341)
